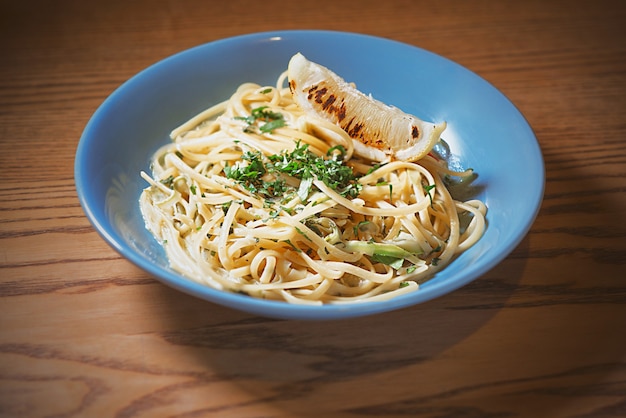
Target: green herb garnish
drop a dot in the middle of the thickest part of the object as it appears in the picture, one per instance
(266, 176)
(427, 189)
(374, 168)
(301, 232)
(249, 175)
(271, 120)
(169, 182)
(305, 165)
(292, 245)
(360, 227)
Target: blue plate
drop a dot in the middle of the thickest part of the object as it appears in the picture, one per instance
(485, 132)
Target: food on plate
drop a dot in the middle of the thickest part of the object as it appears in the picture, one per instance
(270, 194)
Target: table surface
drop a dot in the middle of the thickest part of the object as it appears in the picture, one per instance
(84, 333)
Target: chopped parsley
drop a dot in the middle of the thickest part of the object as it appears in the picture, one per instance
(250, 174)
(296, 249)
(427, 189)
(374, 168)
(169, 182)
(264, 176)
(360, 227)
(301, 232)
(271, 120)
(303, 164)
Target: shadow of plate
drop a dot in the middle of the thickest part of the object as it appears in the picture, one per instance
(283, 360)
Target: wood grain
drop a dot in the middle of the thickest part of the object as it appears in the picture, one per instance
(84, 333)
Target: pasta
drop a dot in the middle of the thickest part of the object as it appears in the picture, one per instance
(255, 196)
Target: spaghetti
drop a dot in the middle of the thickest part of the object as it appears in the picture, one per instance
(255, 196)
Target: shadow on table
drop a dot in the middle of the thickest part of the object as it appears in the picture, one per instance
(560, 338)
(283, 360)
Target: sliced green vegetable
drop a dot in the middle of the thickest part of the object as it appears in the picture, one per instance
(390, 254)
(394, 262)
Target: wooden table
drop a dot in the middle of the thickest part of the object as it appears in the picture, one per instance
(83, 333)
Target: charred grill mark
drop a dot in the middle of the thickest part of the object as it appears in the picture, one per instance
(311, 92)
(415, 132)
(346, 127)
(328, 104)
(355, 131)
(341, 112)
(319, 95)
(335, 107)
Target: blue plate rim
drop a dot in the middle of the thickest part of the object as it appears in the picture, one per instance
(276, 308)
